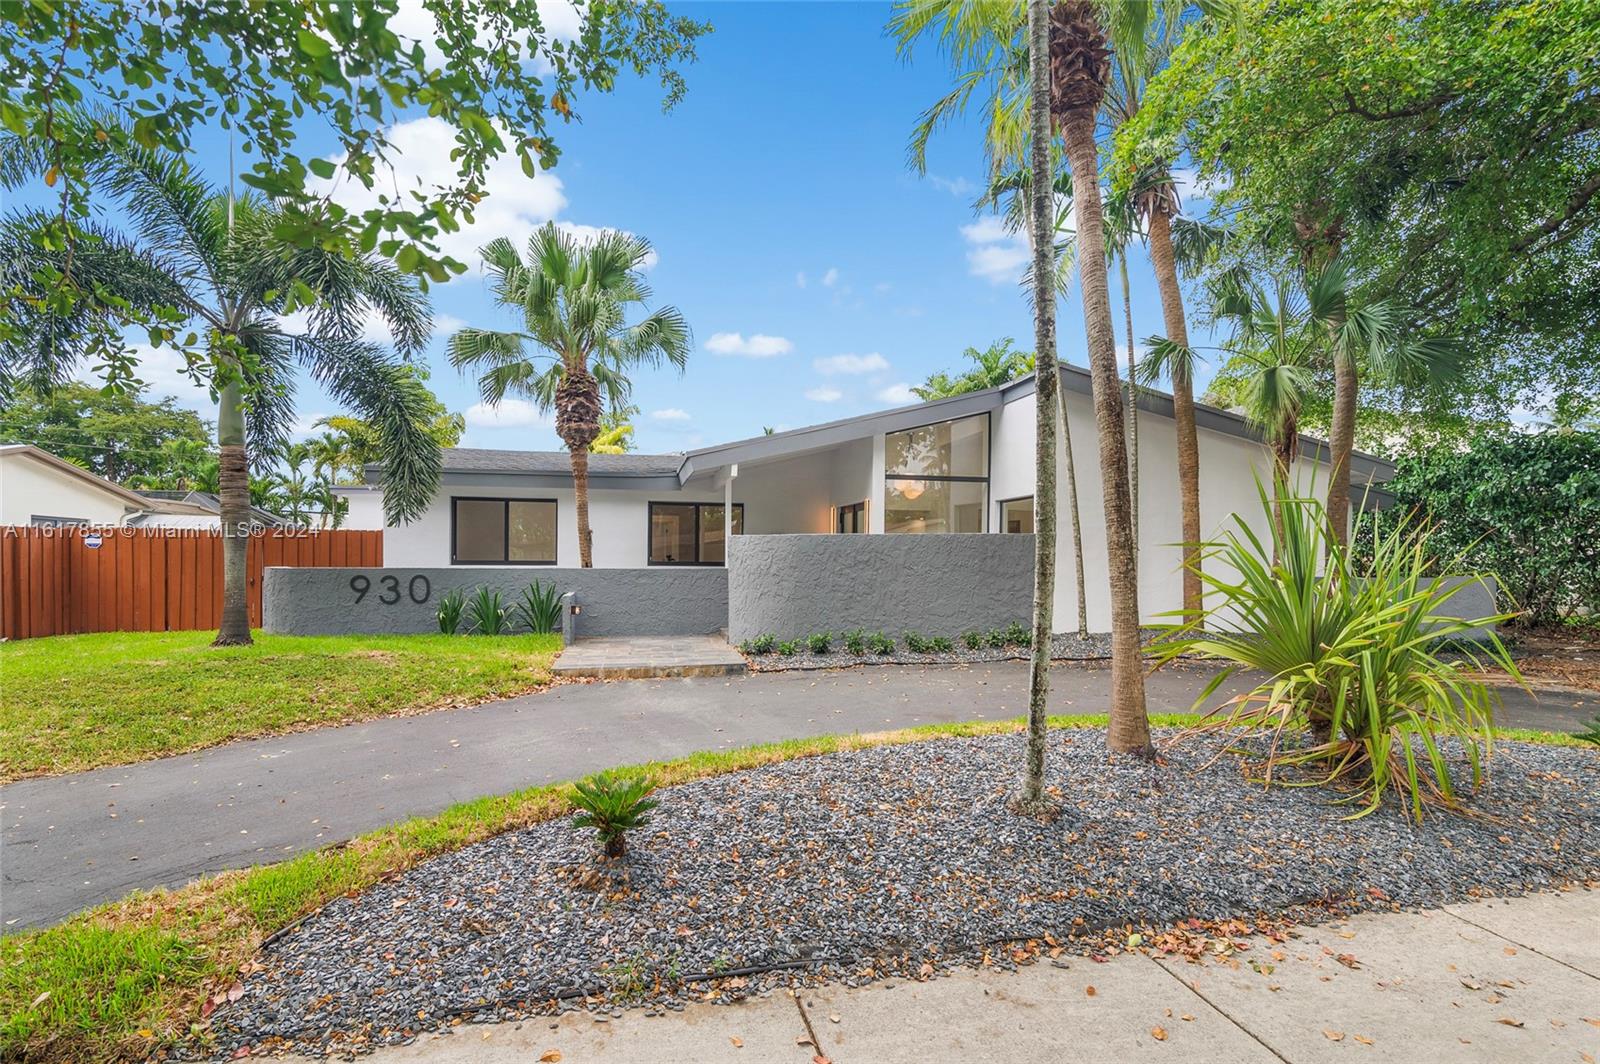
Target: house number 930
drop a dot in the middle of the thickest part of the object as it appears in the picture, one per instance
(417, 589)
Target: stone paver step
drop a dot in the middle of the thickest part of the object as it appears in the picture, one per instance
(643, 657)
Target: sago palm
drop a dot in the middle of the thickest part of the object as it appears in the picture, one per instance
(201, 260)
(574, 299)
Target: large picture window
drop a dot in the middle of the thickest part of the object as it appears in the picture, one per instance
(502, 531)
(937, 477)
(690, 533)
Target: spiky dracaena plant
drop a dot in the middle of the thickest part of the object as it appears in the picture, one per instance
(221, 268)
(574, 299)
(1353, 655)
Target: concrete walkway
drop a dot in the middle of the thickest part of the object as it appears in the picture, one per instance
(1516, 980)
(72, 841)
(641, 657)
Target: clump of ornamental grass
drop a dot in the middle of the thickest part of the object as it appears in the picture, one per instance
(1358, 692)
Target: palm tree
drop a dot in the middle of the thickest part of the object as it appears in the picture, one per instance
(198, 258)
(1079, 70)
(574, 299)
(993, 366)
(1122, 228)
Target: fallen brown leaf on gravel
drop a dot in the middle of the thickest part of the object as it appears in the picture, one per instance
(550, 1056)
(1363, 1039)
(1333, 1036)
(1509, 1022)
(1158, 1033)
(738, 1043)
(1348, 960)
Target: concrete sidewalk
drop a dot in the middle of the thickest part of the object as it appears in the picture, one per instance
(1515, 980)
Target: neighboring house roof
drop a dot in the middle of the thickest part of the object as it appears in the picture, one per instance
(132, 500)
(210, 503)
(551, 468)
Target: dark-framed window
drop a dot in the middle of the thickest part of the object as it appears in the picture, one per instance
(851, 518)
(496, 531)
(690, 533)
(1016, 515)
(936, 477)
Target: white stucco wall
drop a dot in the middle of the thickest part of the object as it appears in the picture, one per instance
(1228, 470)
(28, 487)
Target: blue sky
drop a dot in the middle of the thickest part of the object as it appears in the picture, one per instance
(820, 275)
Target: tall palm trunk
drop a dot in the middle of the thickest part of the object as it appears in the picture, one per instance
(1163, 258)
(1077, 527)
(1047, 386)
(1341, 444)
(1080, 86)
(1285, 449)
(1133, 402)
(233, 483)
(578, 423)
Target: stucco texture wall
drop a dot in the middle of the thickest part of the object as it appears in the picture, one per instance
(792, 586)
(656, 601)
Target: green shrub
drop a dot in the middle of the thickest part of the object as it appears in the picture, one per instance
(789, 647)
(613, 803)
(941, 644)
(487, 613)
(916, 643)
(452, 606)
(540, 608)
(1018, 635)
(880, 644)
(997, 637)
(819, 642)
(1349, 652)
(974, 640)
(761, 644)
(855, 641)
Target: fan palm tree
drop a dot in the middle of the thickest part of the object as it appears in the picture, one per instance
(993, 366)
(1079, 72)
(198, 258)
(574, 299)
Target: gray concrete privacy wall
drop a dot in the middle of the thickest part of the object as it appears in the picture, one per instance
(655, 601)
(792, 586)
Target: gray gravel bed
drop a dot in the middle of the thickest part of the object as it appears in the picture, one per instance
(1096, 646)
(880, 863)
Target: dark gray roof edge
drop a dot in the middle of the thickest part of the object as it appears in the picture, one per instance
(1363, 467)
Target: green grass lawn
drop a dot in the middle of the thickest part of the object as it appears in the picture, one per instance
(76, 702)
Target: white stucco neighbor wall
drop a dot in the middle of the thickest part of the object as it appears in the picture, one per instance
(29, 487)
(1228, 470)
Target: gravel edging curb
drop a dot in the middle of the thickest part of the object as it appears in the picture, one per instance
(901, 859)
(1070, 647)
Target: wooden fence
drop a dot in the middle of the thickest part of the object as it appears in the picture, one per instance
(56, 581)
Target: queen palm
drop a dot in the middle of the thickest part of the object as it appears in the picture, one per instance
(197, 257)
(574, 299)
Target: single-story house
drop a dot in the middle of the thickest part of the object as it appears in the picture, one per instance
(39, 488)
(959, 465)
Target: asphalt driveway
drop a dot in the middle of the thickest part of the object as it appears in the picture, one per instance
(73, 841)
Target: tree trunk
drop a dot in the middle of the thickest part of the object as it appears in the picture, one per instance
(233, 483)
(1341, 444)
(1077, 528)
(1164, 261)
(1133, 403)
(1047, 385)
(578, 423)
(1129, 730)
(1285, 448)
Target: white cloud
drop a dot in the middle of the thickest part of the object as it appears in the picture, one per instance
(831, 277)
(671, 413)
(898, 395)
(824, 395)
(996, 254)
(959, 186)
(800, 279)
(161, 370)
(851, 364)
(758, 345)
(506, 414)
(413, 22)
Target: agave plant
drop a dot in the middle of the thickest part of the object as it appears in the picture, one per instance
(539, 608)
(1354, 655)
(452, 607)
(487, 613)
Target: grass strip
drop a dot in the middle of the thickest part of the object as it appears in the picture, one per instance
(122, 980)
(71, 703)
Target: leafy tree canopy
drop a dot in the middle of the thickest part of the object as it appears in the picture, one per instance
(1450, 150)
(353, 442)
(161, 71)
(1523, 507)
(995, 365)
(118, 436)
